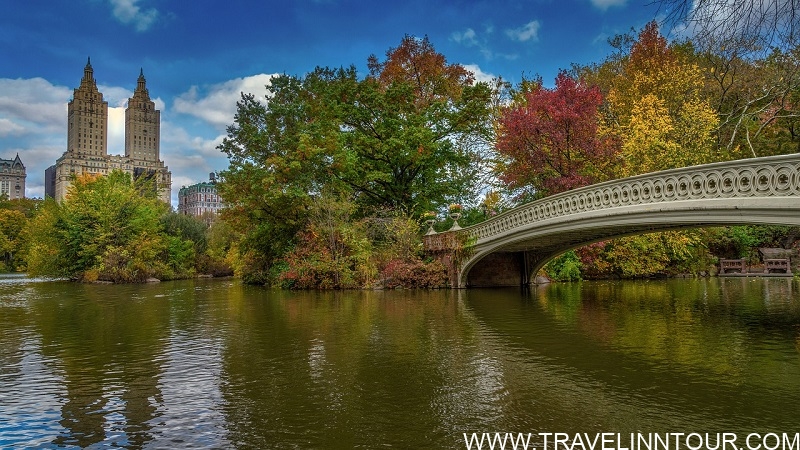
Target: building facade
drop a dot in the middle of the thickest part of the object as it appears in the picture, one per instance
(50, 182)
(201, 199)
(87, 138)
(12, 178)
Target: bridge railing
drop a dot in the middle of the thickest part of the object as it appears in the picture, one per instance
(753, 177)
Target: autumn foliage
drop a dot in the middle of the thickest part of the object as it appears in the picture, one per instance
(416, 63)
(551, 142)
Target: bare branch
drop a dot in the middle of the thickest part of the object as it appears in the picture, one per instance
(735, 26)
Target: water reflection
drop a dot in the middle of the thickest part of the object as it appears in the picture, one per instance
(217, 364)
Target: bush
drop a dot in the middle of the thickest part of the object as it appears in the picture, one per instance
(107, 228)
(414, 274)
(332, 252)
(565, 267)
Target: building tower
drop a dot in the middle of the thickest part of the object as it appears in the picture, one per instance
(87, 139)
(142, 125)
(87, 118)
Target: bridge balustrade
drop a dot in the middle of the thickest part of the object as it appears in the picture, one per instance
(757, 177)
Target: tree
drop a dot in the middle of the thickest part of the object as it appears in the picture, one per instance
(332, 252)
(12, 224)
(656, 107)
(385, 141)
(402, 124)
(107, 228)
(280, 153)
(756, 101)
(551, 140)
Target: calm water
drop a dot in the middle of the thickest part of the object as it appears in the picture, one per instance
(215, 364)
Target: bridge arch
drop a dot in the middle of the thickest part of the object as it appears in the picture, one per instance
(750, 191)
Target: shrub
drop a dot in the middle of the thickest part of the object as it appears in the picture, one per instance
(565, 267)
(414, 274)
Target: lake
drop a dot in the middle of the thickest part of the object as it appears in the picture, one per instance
(218, 364)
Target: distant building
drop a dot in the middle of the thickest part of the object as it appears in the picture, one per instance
(50, 182)
(87, 139)
(12, 178)
(201, 199)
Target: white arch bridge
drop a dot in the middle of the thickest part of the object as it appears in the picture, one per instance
(509, 249)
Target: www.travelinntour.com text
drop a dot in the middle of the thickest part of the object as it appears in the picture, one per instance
(632, 441)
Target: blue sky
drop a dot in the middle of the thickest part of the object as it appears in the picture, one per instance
(197, 56)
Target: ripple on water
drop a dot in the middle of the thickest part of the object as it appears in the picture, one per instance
(207, 365)
(32, 397)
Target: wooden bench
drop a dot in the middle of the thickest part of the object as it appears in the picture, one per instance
(726, 265)
(781, 264)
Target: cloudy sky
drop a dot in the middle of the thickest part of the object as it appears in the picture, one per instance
(198, 56)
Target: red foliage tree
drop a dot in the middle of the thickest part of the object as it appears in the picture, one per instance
(550, 141)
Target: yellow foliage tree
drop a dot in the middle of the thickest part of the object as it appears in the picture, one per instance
(657, 109)
(655, 105)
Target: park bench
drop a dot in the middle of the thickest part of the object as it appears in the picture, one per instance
(727, 265)
(776, 260)
(777, 264)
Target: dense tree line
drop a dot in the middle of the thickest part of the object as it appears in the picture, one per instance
(331, 157)
(664, 105)
(332, 174)
(113, 228)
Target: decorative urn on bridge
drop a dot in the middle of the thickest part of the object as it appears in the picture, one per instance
(455, 214)
(430, 219)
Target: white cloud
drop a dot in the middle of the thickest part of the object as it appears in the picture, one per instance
(605, 4)
(33, 105)
(467, 37)
(217, 105)
(116, 130)
(128, 12)
(114, 95)
(480, 75)
(7, 128)
(527, 32)
(181, 181)
(177, 137)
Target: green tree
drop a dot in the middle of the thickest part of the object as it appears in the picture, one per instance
(107, 228)
(12, 224)
(280, 153)
(564, 267)
(402, 123)
(186, 227)
(385, 141)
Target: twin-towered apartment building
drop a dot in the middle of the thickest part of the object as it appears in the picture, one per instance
(87, 147)
(87, 139)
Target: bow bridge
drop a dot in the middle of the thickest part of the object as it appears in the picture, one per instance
(510, 248)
